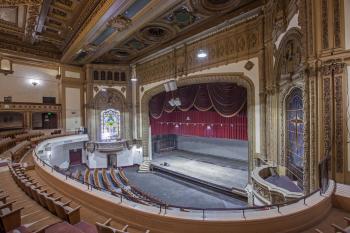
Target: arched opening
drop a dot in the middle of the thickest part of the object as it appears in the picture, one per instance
(110, 124)
(235, 125)
(294, 136)
(107, 116)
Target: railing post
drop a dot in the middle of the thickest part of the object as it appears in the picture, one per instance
(160, 209)
(278, 208)
(304, 200)
(203, 214)
(121, 198)
(244, 213)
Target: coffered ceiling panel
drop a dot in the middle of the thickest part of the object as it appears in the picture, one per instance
(180, 20)
(107, 31)
(41, 28)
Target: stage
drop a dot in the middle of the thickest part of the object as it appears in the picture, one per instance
(226, 174)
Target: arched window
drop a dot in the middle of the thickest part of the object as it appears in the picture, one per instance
(295, 136)
(110, 124)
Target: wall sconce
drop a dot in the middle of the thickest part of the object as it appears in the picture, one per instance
(34, 82)
(5, 66)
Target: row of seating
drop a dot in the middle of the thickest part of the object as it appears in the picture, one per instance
(16, 152)
(10, 218)
(11, 133)
(123, 176)
(6, 143)
(53, 203)
(339, 229)
(28, 136)
(136, 191)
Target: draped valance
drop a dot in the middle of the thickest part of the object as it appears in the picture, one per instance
(227, 99)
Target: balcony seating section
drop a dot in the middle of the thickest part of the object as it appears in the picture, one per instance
(54, 204)
(18, 211)
(6, 144)
(11, 133)
(28, 136)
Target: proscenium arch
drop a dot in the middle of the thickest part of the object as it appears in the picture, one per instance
(237, 78)
(97, 109)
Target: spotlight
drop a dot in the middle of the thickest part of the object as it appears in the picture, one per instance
(175, 102)
(133, 79)
(170, 86)
(202, 54)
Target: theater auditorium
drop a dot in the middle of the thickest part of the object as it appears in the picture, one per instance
(174, 116)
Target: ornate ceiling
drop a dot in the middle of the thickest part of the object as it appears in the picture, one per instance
(107, 31)
(41, 27)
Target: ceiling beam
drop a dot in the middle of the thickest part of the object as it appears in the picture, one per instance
(43, 14)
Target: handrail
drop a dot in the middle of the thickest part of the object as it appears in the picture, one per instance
(166, 206)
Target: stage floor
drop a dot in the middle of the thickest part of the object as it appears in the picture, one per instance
(224, 172)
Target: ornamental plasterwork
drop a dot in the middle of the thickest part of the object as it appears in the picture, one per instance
(171, 24)
(45, 33)
(224, 47)
(119, 22)
(29, 107)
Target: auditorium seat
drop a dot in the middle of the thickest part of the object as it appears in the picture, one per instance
(106, 228)
(10, 218)
(67, 213)
(50, 202)
(340, 229)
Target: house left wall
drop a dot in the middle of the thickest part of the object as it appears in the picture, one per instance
(31, 81)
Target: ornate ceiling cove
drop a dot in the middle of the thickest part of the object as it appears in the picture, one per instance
(181, 20)
(42, 27)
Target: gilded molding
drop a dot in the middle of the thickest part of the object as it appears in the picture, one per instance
(222, 48)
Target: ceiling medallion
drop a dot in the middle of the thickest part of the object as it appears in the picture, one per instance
(119, 53)
(182, 17)
(209, 7)
(119, 22)
(155, 33)
(136, 44)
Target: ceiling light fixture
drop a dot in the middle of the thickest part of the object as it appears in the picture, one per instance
(202, 54)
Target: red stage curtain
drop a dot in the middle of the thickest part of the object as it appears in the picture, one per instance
(187, 96)
(207, 110)
(226, 98)
(156, 106)
(202, 101)
(203, 124)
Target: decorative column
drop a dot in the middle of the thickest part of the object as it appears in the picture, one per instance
(269, 92)
(134, 101)
(334, 119)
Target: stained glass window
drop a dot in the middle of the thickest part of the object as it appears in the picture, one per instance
(110, 124)
(295, 135)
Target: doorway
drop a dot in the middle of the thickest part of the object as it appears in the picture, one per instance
(75, 156)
